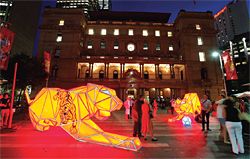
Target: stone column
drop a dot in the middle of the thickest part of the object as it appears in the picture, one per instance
(120, 70)
(91, 70)
(156, 71)
(107, 70)
(172, 71)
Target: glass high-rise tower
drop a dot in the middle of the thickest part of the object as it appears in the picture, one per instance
(87, 5)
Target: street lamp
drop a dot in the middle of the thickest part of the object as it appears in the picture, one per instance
(216, 54)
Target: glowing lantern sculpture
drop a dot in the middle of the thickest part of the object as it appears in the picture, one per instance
(72, 110)
(189, 105)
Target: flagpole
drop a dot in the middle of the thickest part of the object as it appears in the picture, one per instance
(12, 97)
(223, 77)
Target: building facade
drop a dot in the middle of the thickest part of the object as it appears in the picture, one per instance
(133, 53)
(232, 20)
(5, 6)
(240, 47)
(86, 5)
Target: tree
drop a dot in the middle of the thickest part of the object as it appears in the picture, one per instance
(30, 72)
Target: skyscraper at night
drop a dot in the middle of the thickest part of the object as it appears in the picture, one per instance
(86, 5)
(232, 20)
(5, 6)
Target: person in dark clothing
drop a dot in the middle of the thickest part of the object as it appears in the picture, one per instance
(5, 109)
(234, 126)
(137, 125)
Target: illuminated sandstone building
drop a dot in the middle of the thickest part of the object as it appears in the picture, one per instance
(132, 52)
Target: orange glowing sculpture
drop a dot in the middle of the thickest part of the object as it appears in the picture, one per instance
(189, 105)
(72, 110)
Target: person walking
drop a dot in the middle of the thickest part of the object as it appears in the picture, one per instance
(147, 125)
(155, 108)
(206, 106)
(234, 126)
(221, 119)
(127, 108)
(137, 125)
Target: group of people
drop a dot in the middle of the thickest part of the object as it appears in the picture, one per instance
(4, 107)
(141, 112)
(229, 116)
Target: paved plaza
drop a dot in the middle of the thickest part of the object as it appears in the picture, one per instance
(175, 141)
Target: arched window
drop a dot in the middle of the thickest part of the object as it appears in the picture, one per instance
(160, 75)
(115, 74)
(87, 74)
(146, 75)
(101, 74)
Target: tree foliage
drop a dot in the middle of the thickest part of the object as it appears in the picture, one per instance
(30, 71)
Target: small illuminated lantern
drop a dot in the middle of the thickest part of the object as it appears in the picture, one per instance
(188, 106)
(186, 121)
(73, 109)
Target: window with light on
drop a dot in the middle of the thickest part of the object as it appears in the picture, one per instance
(170, 34)
(157, 33)
(198, 27)
(59, 37)
(199, 41)
(130, 32)
(116, 31)
(61, 23)
(202, 57)
(171, 48)
(103, 32)
(91, 31)
(144, 32)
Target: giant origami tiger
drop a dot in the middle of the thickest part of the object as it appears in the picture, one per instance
(72, 110)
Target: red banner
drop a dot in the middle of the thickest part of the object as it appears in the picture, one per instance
(47, 60)
(229, 66)
(6, 41)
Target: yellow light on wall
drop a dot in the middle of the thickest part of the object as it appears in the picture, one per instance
(73, 109)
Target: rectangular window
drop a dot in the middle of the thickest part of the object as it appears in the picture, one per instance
(61, 23)
(157, 33)
(145, 46)
(158, 47)
(199, 41)
(59, 37)
(170, 34)
(103, 32)
(202, 57)
(171, 48)
(198, 27)
(130, 32)
(144, 32)
(103, 44)
(91, 31)
(57, 53)
(89, 45)
(116, 31)
(116, 45)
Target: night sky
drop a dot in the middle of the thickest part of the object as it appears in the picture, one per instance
(169, 6)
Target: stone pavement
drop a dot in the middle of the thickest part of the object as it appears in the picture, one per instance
(175, 141)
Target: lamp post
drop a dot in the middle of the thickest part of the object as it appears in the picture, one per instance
(216, 54)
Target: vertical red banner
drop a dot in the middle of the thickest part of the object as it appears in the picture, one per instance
(229, 66)
(6, 41)
(47, 60)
